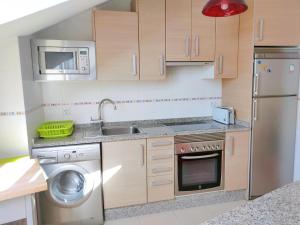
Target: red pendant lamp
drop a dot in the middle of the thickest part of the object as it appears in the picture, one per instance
(223, 8)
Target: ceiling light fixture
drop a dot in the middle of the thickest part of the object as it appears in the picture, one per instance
(223, 8)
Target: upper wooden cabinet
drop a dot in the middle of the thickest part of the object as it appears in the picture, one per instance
(236, 160)
(227, 44)
(124, 173)
(276, 22)
(117, 48)
(203, 33)
(152, 38)
(190, 36)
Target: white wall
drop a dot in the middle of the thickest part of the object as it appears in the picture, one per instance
(13, 132)
(184, 94)
(33, 99)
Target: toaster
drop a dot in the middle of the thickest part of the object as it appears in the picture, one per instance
(225, 115)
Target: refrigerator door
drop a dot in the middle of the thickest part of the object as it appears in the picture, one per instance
(276, 77)
(273, 143)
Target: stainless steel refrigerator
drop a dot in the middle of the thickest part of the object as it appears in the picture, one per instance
(274, 117)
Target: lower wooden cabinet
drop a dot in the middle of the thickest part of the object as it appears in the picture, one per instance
(160, 188)
(236, 160)
(160, 168)
(137, 171)
(124, 173)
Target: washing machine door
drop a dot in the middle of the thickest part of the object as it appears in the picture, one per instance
(69, 186)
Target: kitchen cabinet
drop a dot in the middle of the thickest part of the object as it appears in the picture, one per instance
(236, 160)
(203, 33)
(117, 48)
(275, 22)
(124, 173)
(160, 168)
(152, 39)
(190, 36)
(227, 39)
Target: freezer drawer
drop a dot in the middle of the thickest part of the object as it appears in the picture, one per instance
(273, 143)
(275, 77)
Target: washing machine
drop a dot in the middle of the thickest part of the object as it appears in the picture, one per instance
(74, 195)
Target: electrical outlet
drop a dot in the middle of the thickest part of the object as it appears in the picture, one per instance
(67, 112)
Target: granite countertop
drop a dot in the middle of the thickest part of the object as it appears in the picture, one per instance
(89, 133)
(279, 207)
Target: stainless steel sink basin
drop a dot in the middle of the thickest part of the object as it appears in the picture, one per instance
(120, 130)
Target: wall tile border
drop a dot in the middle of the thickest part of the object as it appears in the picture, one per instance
(129, 101)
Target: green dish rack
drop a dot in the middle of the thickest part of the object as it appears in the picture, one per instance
(56, 129)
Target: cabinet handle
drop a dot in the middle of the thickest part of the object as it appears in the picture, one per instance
(261, 30)
(230, 145)
(161, 143)
(161, 183)
(220, 64)
(255, 88)
(162, 170)
(134, 64)
(160, 157)
(254, 110)
(187, 45)
(197, 44)
(142, 155)
(162, 65)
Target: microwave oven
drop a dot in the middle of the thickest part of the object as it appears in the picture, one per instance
(63, 60)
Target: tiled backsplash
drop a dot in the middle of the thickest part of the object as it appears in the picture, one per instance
(185, 93)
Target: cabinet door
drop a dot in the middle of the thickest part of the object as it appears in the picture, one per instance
(116, 35)
(236, 160)
(276, 22)
(178, 30)
(152, 37)
(203, 33)
(124, 173)
(227, 39)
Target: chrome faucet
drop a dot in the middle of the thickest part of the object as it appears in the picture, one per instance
(100, 110)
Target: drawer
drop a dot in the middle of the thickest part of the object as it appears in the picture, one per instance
(160, 188)
(158, 169)
(158, 155)
(160, 143)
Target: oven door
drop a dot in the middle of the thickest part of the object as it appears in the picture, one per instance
(58, 60)
(198, 171)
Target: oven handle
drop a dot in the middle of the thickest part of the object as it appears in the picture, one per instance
(200, 157)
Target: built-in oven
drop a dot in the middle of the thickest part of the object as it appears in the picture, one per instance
(199, 163)
(63, 60)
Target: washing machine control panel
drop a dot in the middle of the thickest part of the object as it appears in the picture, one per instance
(67, 153)
(77, 155)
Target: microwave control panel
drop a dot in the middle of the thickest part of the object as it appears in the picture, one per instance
(84, 61)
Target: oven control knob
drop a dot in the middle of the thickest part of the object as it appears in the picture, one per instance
(208, 147)
(192, 149)
(217, 147)
(182, 150)
(197, 149)
(203, 148)
(213, 147)
(67, 156)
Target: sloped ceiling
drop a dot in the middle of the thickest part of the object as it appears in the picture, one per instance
(40, 18)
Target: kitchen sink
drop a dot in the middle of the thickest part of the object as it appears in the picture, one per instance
(120, 130)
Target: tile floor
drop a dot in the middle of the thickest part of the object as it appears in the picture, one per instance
(189, 216)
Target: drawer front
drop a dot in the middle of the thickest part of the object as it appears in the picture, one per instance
(159, 169)
(160, 143)
(160, 155)
(160, 188)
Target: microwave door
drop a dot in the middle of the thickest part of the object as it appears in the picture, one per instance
(55, 60)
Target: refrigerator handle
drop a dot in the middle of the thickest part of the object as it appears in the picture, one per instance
(255, 88)
(254, 110)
